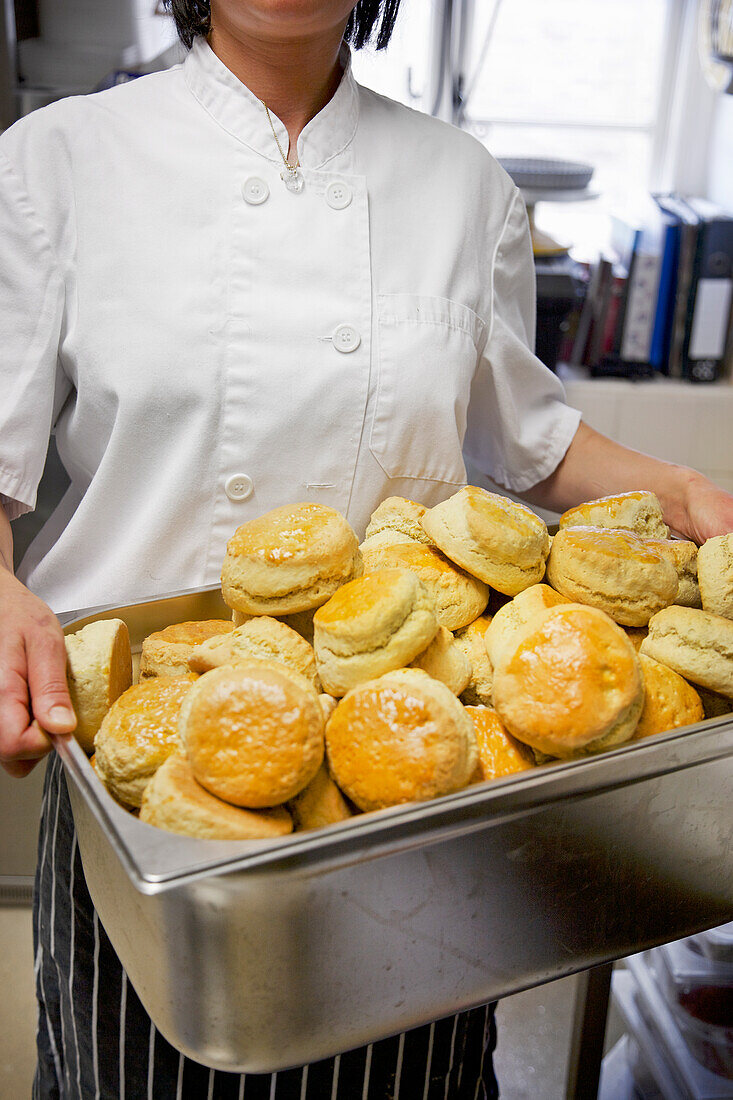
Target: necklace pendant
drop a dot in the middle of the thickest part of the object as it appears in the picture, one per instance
(293, 180)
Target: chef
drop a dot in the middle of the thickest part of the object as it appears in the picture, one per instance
(237, 283)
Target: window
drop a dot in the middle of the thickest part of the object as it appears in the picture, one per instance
(586, 80)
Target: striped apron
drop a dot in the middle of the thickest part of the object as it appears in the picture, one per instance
(95, 1039)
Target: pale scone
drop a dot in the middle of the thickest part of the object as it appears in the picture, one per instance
(446, 661)
(477, 691)
(166, 652)
(499, 753)
(138, 733)
(572, 685)
(669, 701)
(370, 626)
(388, 537)
(173, 800)
(715, 575)
(459, 598)
(253, 733)
(613, 570)
(502, 543)
(639, 512)
(696, 644)
(399, 515)
(403, 737)
(301, 622)
(683, 556)
(98, 670)
(511, 619)
(290, 559)
(320, 803)
(262, 637)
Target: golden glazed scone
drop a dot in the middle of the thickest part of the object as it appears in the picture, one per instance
(639, 512)
(510, 621)
(446, 661)
(98, 670)
(370, 626)
(253, 733)
(573, 684)
(471, 640)
(459, 598)
(669, 701)
(502, 543)
(262, 637)
(696, 644)
(166, 652)
(683, 556)
(138, 734)
(290, 559)
(401, 516)
(499, 753)
(173, 800)
(715, 573)
(403, 737)
(320, 803)
(613, 570)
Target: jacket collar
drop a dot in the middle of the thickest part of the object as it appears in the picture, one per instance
(241, 113)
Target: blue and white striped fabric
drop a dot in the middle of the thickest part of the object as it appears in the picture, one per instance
(96, 1042)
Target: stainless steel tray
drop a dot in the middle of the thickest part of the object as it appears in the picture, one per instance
(260, 956)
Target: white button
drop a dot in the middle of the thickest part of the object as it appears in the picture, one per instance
(346, 338)
(255, 190)
(239, 487)
(338, 195)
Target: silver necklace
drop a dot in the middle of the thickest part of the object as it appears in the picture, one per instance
(291, 174)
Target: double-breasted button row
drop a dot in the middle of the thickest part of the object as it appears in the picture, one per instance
(338, 194)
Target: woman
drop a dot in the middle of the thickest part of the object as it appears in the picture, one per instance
(237, 283)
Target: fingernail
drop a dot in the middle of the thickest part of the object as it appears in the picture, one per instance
(61, 714)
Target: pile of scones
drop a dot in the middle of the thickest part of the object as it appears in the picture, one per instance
(455, 645)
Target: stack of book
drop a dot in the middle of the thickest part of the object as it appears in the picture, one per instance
(661, 301)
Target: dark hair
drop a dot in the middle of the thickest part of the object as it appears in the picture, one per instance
(193, 20)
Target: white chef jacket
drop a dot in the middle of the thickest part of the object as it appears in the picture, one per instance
(208, 344)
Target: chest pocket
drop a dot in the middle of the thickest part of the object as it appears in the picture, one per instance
(427, 350)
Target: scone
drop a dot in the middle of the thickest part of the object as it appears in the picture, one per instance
(639, 512)
(502, 543)
(669, 701)
(499, 754)
(401, 516)
(636, 635)
(612, 570)
(477, 691)
(572, 685)
(696, 644)
(166, 652)
(290, 559)
(253, 733)
(138, 734)
(98, 670)
(320, 803)
(683, 556)
(715, 575)
(173, 800)
(459, 598)
(446, 661)
(262, 637)
(511, 619)
(403, 737)
(370, 626)
(387, 537)
(714, 705)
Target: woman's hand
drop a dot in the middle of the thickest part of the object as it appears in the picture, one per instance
(33, 692)
(709, 510)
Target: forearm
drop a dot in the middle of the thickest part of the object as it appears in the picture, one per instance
(595, 466)
(6, 542)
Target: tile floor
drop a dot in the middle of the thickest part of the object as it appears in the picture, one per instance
(534, 1026)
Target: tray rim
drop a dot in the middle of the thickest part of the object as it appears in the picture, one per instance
(139, 846)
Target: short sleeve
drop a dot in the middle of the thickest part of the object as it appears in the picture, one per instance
(32, 386)
(519, 426)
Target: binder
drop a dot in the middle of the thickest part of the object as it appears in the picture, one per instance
(688, 225)
(711, 293)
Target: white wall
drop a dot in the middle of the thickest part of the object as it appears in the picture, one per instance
(720, 169)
